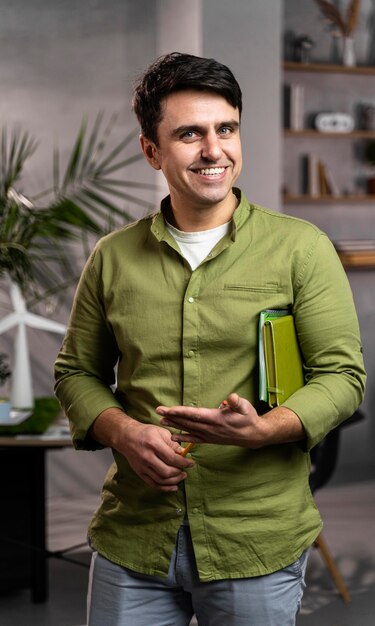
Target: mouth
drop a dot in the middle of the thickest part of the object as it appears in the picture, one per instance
(210, 171)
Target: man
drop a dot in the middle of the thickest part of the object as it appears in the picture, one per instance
(174, 301)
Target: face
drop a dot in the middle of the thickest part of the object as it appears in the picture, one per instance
(199, 149)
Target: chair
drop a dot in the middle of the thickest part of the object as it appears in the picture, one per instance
(323, 462)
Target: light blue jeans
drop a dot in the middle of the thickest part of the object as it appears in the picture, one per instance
(120, 597)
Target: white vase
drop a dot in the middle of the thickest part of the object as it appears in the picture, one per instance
(348, 52)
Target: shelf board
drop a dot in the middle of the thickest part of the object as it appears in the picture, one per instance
(306, 199)
(358, 260)
(292, 66)
(314, 134)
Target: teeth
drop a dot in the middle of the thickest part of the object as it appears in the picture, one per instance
(211, 171)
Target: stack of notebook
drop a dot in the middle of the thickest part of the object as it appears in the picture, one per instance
(280, 361)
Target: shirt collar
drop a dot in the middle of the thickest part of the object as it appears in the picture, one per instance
(159, 228)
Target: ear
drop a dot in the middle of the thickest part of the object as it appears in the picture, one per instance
(150, 151)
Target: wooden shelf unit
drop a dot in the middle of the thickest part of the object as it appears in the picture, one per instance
(316, 134)
(328, 199)
(351, 260)
(358, 260)
(329, 68)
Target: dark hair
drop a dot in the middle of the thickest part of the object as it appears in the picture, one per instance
(176, 72)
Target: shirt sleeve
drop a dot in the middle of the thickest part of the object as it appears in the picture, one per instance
(329, 338)
(85, 366)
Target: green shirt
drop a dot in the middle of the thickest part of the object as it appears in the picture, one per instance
(190, 337)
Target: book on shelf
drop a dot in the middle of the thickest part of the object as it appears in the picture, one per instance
(294, 106)
(313, 185)
(319, 180)
(280, 361)
(329, 182)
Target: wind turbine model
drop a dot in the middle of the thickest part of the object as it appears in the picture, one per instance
(22, 391)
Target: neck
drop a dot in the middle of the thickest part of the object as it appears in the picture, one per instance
(194, 219)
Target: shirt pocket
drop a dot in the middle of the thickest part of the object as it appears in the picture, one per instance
(266, 288)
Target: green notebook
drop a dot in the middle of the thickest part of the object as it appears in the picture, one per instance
(267, 314)
(283, 361)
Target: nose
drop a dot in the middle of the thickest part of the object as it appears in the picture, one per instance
(211, 147)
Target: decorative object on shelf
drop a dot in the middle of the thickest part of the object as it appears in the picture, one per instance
(370, 158)
(343, 27)
(334, 122)
(368, 117)
(302, 48)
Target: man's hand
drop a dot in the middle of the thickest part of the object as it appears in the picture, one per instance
(149, 449)
(236, 423)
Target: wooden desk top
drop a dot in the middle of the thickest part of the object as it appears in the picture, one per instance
(54, 437)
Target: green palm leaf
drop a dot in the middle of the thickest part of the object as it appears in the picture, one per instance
(84, 200)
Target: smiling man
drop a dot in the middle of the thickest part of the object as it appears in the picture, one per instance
(173, 301)
(198, 148)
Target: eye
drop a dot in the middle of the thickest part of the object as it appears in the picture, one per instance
(225, 130)
(189, 135)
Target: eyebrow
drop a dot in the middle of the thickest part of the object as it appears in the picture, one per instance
(180, 130)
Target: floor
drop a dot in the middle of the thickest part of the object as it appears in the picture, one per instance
(348, 511)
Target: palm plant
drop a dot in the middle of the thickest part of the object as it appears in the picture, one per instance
(4, 369)
(86, 199)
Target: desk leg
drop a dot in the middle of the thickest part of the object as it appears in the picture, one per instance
(39, 568)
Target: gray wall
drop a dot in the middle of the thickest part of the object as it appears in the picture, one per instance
(246, 36)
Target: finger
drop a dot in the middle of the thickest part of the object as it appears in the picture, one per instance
(188, 413)
(168, 461)
(161, 487)
(162, 473)
(238, 404)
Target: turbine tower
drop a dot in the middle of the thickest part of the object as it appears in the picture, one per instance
(22, 396)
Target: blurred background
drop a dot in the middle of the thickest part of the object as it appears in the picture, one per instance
(66, 61)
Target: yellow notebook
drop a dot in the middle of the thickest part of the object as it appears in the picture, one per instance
(284, 369)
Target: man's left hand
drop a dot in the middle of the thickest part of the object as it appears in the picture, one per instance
(235, 423)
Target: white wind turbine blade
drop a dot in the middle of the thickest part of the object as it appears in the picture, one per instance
(43, 323)
(17, 298)
(22, 392)
(9, 322)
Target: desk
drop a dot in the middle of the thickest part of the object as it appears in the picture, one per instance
(23, 554)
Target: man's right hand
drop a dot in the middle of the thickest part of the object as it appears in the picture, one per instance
(149, 449)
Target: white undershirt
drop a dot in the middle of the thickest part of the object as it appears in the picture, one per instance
(197, 245)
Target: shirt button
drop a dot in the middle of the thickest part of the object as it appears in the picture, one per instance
(191, 353)
(191, 299)
(195, 510)
(178, 511)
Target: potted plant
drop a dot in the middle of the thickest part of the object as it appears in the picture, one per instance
(34, 232)
(5, 373)
(88, 197)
